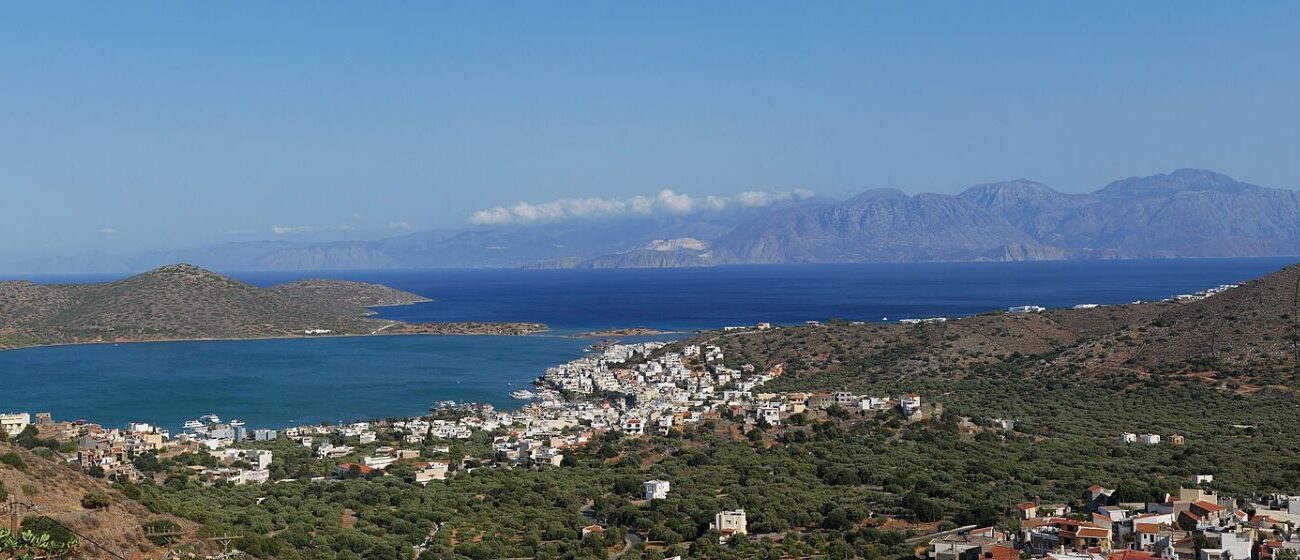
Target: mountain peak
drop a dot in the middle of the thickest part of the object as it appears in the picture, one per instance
(1006, 193)
(877, 194)
(180, 268)
(1182, 180)
(182, 273)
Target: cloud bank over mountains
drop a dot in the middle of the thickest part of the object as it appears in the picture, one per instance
(665, 201)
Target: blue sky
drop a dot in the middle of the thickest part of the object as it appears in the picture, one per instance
(171, 124)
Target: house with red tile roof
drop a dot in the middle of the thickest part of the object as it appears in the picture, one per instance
(351, 467)
(1132, 555)
(1028, 510)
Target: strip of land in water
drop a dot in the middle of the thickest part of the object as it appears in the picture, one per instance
(182, 302)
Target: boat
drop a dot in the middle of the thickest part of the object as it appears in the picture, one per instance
(193, 424)
(210, 419)
(236, 422)
(523, 394)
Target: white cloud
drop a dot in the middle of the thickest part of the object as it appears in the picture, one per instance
(108, 231)
(676, 203)
(404, 226)
(289, 230)
(665, 201)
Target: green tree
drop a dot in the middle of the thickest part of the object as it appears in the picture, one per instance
(96, 500)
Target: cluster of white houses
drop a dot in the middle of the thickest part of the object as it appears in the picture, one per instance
(652, 392)
(1150, 439)
(1197, 296)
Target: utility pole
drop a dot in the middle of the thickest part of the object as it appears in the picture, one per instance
(13, 508)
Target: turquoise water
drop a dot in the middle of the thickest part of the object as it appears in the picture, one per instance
(277, 383)
(274, 383)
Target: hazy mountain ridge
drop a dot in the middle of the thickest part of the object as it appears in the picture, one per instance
(1186, 213)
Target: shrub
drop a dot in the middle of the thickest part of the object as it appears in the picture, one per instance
(14, 460)
(96, 500)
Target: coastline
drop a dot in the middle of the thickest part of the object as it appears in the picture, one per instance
(274, 337)
(632, 331)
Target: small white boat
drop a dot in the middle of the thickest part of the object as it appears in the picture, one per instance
(210, 419)
(193, 424)
(523, 394)
(236, 422)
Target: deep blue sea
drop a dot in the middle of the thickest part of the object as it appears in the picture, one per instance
(277, 383)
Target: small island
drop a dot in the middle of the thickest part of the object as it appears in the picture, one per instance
(630, 331)
(184, 302)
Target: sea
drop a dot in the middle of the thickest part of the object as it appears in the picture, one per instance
(280, 383)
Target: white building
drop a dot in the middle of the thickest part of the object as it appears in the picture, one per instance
(770, 413)
(1202, 478)
(910, 403)
(1232, 546)
(14, 423)
(260, 459)
(730, 523)
(378, 462)
(329, 451)
(254, 476)
(633, 426)
(1149, 439)
(1128, 437)
(1026, 309)
(436, 470)
(868, 404)
(656, 489)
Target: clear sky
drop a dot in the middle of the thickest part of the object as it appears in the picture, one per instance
(142, 125)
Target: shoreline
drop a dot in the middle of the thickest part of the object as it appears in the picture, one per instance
(256, 338)
(634, 331)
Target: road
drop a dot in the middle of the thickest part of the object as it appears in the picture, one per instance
(630, 541)
(923, 538)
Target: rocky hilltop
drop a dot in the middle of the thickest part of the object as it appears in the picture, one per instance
(179, 302)
(356, 294)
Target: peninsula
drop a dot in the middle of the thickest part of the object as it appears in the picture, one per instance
(184, 302)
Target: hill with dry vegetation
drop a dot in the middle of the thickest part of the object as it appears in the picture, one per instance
(1244, 339)
(185, 302)
(345, 293)
(56, 491)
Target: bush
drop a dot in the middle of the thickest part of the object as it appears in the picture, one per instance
(96, 500)
(46, 526)
(14, 460)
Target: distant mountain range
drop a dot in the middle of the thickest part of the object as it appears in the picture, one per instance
(1187, 213)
